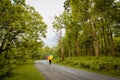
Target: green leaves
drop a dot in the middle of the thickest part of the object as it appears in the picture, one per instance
(21, 27)
(91, 26)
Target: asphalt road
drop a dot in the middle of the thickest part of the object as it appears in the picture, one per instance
(58, 72)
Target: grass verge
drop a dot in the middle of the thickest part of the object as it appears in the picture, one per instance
(26, 71)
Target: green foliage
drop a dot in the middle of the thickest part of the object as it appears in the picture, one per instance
(21, 26)
(21, 31)
(5, 71)
(92, 27)
(117, 43)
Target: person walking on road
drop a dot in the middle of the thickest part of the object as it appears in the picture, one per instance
(50, 57)
(50, 61)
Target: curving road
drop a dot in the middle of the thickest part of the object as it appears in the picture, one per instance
(58, 72)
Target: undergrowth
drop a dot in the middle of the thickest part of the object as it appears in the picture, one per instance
(104, 65)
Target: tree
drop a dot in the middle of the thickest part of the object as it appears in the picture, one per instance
(93, 26)
(79, 17)
(21, 29)
(58, 24)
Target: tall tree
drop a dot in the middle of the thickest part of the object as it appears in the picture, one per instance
(59, 25)
(79, 16)
(21, 23)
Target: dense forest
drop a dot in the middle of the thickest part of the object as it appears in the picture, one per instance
(92, 36)
(92, 28)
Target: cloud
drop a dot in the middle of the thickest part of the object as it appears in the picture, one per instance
(48, 9)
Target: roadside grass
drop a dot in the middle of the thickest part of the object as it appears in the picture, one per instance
(104, 65)
(25, 71)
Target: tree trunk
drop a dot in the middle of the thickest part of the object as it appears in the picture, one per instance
(104, 32)
(76, 49)
(111, 42)
(95, 40)
(101, 46)
(69, 48)
(61, 44)
(96, 46)
(69, 45)
(76, 41)
(112, 47)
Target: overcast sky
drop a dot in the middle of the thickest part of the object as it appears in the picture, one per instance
(48, 9)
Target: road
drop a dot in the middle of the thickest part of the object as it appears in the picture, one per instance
(58, 72)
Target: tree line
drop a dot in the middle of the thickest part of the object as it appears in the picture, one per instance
(92, 27)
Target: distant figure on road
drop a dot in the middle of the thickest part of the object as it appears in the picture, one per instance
(50, 57)
(50, 61)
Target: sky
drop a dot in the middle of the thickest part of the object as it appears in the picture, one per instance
(48, 9)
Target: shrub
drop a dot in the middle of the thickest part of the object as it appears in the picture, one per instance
(5, 71)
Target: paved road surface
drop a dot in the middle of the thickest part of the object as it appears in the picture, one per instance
(58, 72)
